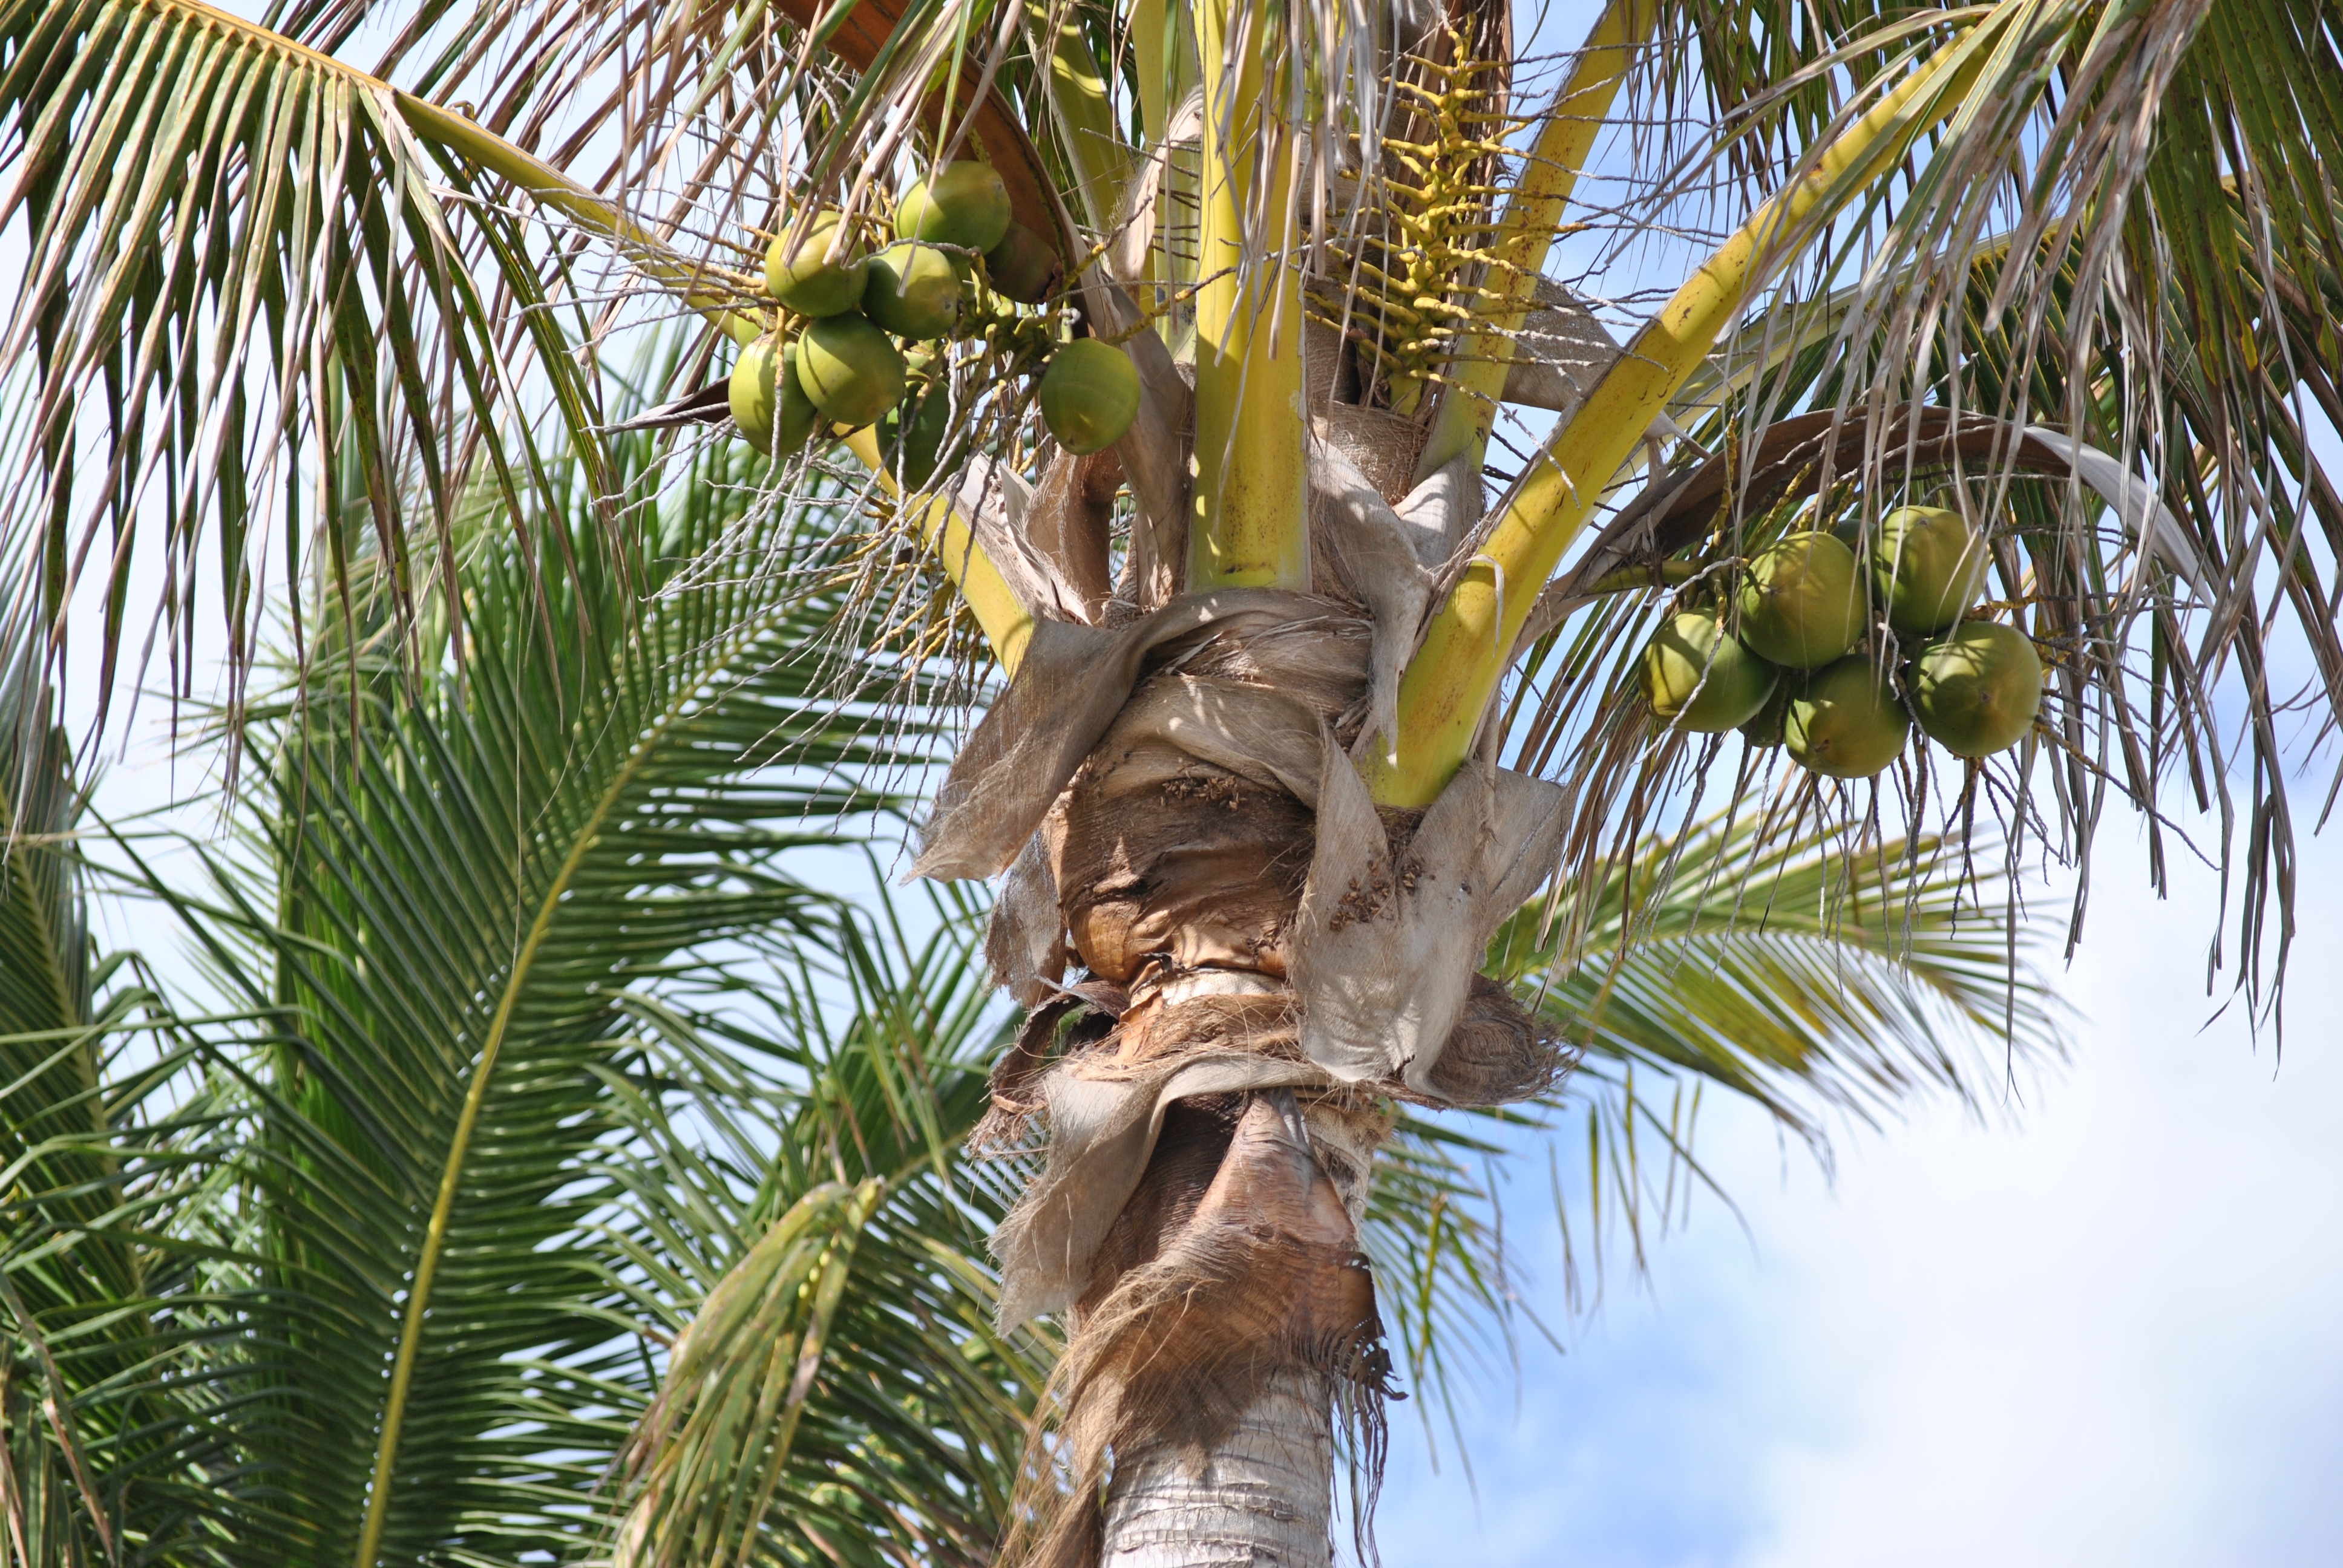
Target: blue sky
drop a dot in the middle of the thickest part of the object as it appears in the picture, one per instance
(2097, 1327)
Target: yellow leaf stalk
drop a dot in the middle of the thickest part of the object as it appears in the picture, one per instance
(1249, 527)
(1448, 683)
(705, 288)
(1007, 624)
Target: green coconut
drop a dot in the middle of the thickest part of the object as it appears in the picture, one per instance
(1978, 690)
(1845, 720)
(850, 369)
(965, 204)
(911, 435)
(914, 291)
(1927, 567)
(1089, 395)
(808, 281)
(769, 403)
(1801, 601)
(1024, 266)
(1698, 677)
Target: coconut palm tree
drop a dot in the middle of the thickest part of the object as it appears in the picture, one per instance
(1317, 670)
(712, 1276)
(688, 1188)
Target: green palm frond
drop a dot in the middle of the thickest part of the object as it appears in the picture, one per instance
(1819, 973)
(49, 1103)
(2120, 236)
(257, 303)
(891, 1427)
(380, 1176)
(465, 882)
(44, 971)
(102, 1108)
(1451, 1293)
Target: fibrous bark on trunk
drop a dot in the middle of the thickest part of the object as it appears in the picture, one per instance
(1235, 966)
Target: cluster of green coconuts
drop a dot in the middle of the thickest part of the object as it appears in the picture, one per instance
(859, 360)
(1790, 673)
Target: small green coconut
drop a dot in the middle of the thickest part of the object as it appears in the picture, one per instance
(850, 369)
(911, 435)
(1927, 567)
(808, 281)
(965, 204)
(1978, 690)
(1089, 395)
(1844, 721)
(1024, 266)
(1697, 676)
(769, 403)
(1802, 601)
(914, 291)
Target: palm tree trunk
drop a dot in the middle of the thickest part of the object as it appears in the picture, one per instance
(1209, 1152)
(1261, 1498)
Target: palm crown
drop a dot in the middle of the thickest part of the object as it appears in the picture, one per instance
(1306, 698)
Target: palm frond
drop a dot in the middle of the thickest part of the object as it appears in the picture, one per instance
(892, 1427)
(391, 1134)
(1824, 972)
(44, 973)
(2116, 236)
(259, 314)
(103, 1113)
(465, 883)
(49, 1095)
(1435, 1232)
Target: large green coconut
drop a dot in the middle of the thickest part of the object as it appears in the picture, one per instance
(965, 204)
(1927, 567)
(1698, 677)
(850, 369)
(768, 402)
(914, 291)
(1024, 266)
(911, 435)
(807, 280)
(1978, 690)
(1089, 395)
(1801, 601)
(1845, 720)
